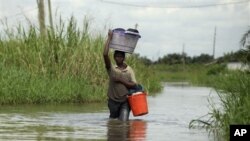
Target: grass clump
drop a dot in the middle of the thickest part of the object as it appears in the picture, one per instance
(234, 93)
(232, 87)
(234, 96)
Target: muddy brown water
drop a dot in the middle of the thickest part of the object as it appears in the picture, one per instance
(169, 115)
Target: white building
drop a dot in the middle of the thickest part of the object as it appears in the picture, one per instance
(237, 66)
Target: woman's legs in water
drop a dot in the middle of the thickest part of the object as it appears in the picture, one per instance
(119, 110)
(124, 111)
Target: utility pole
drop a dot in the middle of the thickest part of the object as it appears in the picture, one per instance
(214, 42)
(50, 16)
(183, 61)
(183, 55)
(41, 17)
(136, 26)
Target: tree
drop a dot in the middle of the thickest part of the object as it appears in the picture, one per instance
(203, 58)
(245, 43)
(171, 59)
(245, 38)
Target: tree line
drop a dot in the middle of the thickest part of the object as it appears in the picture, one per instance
(242, 55)
(177, 58)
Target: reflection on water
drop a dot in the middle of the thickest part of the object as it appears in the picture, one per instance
(169, 115)
(133, 130)
(117, 130)
(138, 130)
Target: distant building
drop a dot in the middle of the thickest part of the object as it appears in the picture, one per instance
(237, 66)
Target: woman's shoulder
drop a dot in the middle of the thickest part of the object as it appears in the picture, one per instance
(129, 68)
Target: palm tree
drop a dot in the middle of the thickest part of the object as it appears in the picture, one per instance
(245, 43)
(245, 38)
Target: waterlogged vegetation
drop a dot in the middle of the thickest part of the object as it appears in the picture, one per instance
(66, 66)
(232, 87)
(234, 93)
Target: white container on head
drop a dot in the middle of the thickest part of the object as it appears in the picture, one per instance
(124, 40)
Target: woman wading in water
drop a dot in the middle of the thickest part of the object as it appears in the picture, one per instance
(121, 79)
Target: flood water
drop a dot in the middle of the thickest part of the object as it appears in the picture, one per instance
(168, 119)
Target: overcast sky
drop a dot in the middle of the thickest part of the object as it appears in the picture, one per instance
(166, 26)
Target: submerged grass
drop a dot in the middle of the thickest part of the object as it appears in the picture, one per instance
(234, 93)
(232, 87)
(233, 90)
(64, 67)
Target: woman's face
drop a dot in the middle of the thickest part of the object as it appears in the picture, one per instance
(119, 58)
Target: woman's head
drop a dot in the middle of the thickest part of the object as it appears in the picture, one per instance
(119, 57)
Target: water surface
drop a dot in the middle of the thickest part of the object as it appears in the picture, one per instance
(169, 115)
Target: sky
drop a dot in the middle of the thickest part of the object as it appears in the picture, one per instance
(165, 26)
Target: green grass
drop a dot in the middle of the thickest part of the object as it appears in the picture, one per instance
(195, 74)
(234, 93)
(65, 67)
(233, 89)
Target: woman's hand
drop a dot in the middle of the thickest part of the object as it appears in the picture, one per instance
(110, 34)
(128, 84)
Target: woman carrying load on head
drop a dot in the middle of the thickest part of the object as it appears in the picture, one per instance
(121, 79)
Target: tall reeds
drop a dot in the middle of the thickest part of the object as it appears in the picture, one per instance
(66, 66)
(233, 89)
(234, 93)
